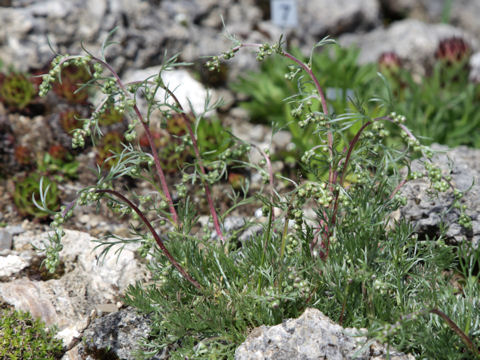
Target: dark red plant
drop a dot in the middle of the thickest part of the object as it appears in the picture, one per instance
(23, 155)
(453, 50)
(58, 152)
(389, 63)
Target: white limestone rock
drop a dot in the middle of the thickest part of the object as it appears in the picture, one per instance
(310, 337)
(87, 281)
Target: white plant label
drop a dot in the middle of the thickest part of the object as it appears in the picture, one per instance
(284, 13)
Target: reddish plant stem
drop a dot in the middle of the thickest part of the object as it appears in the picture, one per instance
(319, 89)
(156, 159)
(155, 236)
(208, 194)
(323, 101)
(351, 146)
(466, 340)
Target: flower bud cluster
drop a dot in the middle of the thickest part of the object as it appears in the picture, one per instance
(214, 63)
(380, 286)
(315, 118)
(60, 217)
(397, 118)
(212, 176)
(78, 139)
(52, 259)
(292, 244)
(61, 61)
(235, 152)
(267, 50)
(296, 285)
(131, 135)
(316, 191)
(412, 142)
(87, 197)
(297, 112)
(379, 128)
(97, 70)
(143, 199)
(465, 221)
(148, 94)
(400, 200)
(414, 175)
(147, 244)
(458, 194)
(427, 152)
(181, 190)
(293, 72)
(109, 86)
(434, 173)
(118, 208)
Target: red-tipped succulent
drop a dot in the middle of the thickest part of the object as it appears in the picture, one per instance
(72, 79)
(167, 146)
(58, 152)
(453, 50)
(23, 155)
(111, 144)
(389, 62)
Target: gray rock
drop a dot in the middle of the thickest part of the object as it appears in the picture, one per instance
(5, 240)
(281, 140)
(462, 13)
(146, 29)
(251, 231)
(15, 229)
(427, 212)
(11, 264)
(84, 281)
(234, 223)
(475, 68)
(310, 337)
(117, 334)
(414, 42)
(323, 17)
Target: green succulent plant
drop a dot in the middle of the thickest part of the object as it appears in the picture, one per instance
(24, 338)
(59, 162)
(69, 121)
(214, 139)
(111, 144)
(16, 90)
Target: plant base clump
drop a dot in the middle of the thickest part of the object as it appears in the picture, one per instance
(327, 238)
